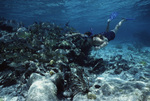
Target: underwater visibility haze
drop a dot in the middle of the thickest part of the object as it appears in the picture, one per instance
(81, 14)
(45, 55)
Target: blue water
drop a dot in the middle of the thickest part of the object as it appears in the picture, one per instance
(81, 14)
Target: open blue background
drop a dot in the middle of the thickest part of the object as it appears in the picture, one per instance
(82, 14)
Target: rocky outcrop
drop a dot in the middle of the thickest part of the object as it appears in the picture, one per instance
(42, 90)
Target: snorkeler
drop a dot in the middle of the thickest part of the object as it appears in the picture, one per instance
(102, 39)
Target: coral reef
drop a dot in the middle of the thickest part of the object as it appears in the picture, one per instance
(40, 48)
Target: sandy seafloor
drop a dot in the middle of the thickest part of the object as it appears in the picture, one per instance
(130, 85)
(127, 50)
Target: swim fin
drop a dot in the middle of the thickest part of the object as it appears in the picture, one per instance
(128, 19)
(113, 15)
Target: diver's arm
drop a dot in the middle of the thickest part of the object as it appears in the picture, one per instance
(105, 41)
(102, 43)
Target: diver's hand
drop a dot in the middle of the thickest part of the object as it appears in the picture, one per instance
(101, 46)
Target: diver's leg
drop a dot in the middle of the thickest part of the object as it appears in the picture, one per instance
(118, 26)
(108, 22)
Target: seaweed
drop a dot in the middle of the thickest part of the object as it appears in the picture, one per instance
(77, 81)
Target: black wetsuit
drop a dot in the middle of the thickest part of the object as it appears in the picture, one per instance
(109, 35)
